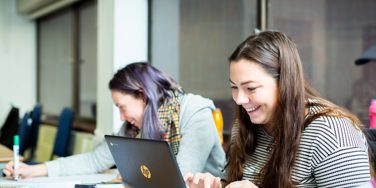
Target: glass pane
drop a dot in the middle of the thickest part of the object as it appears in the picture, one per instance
(330, 36)
(88, 60)
(192, 39)
(55, 62)
(209, 32)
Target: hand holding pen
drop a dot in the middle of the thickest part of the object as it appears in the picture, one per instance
(16, 169)
(24, 170)
(16, 158)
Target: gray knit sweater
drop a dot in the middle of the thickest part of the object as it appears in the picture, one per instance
(199, 151)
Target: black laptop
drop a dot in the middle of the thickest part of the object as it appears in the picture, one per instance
(145, 163)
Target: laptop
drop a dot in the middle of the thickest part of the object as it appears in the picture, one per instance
(145, 163)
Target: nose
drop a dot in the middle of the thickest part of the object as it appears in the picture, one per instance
(240, 98)
(122, 117)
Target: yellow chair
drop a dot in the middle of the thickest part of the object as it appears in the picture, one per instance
(218, 119)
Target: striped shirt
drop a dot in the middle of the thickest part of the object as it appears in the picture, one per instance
(332, 153)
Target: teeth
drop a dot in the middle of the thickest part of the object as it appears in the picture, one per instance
(250, 109)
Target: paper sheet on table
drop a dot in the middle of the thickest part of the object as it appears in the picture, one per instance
(56, 182)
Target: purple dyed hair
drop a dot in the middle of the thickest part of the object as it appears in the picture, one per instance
(141, 79)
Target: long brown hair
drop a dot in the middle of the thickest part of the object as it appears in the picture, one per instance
(278, 55)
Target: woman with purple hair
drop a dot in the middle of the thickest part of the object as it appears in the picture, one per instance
(152, 106)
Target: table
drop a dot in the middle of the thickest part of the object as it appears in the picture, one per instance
(5, 154)
(61, 181)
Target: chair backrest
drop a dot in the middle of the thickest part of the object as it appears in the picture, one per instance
(227, 108)
(10, 128)
(63, 133)
(35, 116)
(24, 133)
(218, 120)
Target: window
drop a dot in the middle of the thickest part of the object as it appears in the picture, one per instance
(67, 62)
(192, 39)
(330, 36)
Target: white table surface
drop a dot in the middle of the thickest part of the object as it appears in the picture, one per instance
(59, 182)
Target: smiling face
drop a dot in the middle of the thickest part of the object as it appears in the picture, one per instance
(131, 108)
(254, 89)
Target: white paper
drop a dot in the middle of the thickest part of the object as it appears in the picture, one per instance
(56, 182)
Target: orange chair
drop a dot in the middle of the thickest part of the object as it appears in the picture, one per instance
(218, 119)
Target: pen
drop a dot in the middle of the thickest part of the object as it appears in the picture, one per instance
(16, 149)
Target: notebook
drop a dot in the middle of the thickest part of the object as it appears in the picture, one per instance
(145, 163)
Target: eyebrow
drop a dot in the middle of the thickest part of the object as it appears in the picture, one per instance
(242, 83)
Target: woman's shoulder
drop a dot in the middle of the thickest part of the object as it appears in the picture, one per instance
(339, 131)
(331, 123)
(195, 108)
(193, 102)
(328, 122)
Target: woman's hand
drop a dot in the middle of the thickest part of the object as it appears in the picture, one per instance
(241, 184)
(202, 180)
(24, 170)
(117, 179)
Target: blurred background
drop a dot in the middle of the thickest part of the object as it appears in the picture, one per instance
(62, 53)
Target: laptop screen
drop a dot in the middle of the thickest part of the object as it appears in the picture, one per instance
(145, 163)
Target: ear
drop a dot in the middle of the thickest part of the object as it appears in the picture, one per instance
(144, 99)
(142, 95)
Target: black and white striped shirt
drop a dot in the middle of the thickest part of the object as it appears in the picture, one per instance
(332, 153)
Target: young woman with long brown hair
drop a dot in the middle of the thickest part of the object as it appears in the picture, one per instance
(286, 135)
